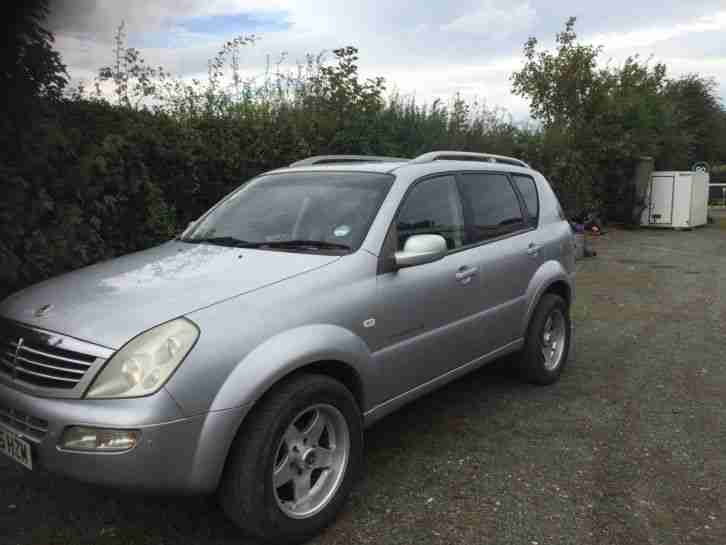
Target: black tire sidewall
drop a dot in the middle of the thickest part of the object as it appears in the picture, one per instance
(275, 525)
(533, 360)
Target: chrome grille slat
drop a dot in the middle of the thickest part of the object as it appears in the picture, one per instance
(53, 367)
(26, 371)
(26, 348)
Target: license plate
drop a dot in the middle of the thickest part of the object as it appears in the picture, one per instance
(16, 448)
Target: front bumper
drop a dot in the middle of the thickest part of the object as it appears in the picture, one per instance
(175, 453)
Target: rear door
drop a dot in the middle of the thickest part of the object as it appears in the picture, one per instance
(501, 229)
(661, 200)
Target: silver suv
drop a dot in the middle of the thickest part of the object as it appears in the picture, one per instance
(247, 355)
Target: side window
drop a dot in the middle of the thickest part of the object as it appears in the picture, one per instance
(528, 189)
(432, 208)
(492, 206)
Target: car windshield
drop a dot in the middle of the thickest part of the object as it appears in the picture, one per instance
(296, 211)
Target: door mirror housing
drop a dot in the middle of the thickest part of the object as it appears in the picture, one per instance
(420, 249)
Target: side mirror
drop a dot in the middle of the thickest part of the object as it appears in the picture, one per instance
(420, 249)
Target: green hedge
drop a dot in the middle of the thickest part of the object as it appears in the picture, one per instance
(85, 180)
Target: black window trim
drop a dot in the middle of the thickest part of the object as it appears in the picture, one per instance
(534, 220)
(388, 247)
(526, 226)
(468, 212)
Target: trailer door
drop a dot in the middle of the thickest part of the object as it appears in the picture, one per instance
(661, 200)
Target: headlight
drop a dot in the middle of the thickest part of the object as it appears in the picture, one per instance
(146, 362)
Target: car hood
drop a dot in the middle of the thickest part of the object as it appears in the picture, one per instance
(110, 302)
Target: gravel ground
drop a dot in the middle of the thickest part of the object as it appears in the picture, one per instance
(629, 447)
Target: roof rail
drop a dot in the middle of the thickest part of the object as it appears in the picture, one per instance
(468, 156)
(333, 159)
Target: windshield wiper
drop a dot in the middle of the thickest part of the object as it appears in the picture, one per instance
(303, 244)
(282, 244)
(224, 241)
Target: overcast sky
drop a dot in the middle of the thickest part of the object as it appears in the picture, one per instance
(432, 49)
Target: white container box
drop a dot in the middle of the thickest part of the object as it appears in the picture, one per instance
(676, 199)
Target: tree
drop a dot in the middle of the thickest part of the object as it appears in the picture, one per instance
(701, 115)
(599, 119)
(564, 88)
(30, 66)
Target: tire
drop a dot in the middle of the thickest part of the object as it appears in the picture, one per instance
(552, 311)
(276, 457)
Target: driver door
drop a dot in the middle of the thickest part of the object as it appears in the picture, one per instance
(426, 311)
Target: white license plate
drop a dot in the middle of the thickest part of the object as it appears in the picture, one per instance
(16, 448)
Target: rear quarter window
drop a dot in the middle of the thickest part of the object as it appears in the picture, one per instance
(492, 206)
(528, 189)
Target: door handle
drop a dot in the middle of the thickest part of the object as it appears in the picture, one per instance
(465, 273)
(533, 249)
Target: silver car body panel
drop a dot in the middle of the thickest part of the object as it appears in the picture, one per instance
(112, 301)
(175, 453)
(262, 315)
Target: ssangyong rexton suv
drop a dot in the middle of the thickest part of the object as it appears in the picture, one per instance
(247, 355)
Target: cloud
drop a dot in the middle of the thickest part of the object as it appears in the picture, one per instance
(238, 22)
(432, 49)
(490, 19)
(649, 36)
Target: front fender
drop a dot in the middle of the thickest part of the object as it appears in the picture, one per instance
(549, 272)
(288, 351)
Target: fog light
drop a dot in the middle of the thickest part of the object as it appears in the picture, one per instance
(98, 440)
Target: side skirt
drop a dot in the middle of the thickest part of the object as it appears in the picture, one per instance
(393, 404)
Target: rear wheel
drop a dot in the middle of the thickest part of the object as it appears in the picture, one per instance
(292, 466)
(548, 341)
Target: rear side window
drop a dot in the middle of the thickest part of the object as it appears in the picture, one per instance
(528, 189)
(491, 205)
(432, 208)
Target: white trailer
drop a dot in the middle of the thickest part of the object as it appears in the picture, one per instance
(676, 199)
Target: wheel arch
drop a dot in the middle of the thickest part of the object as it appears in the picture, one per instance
(321, 349)
(339, 370)
(551, 277)
(325, 349)
(561, 288)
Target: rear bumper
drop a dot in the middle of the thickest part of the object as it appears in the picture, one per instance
(174, 454)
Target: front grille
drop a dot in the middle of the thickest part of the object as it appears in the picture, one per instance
(44, 366)
(45, 363)
(24, 424)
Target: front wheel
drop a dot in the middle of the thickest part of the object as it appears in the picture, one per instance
(293, 464)
(547, 344)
